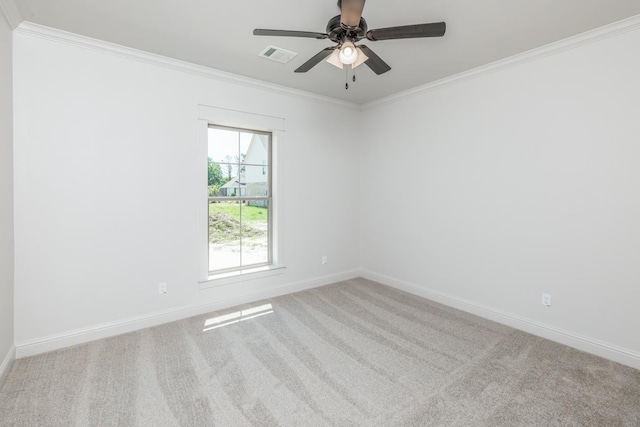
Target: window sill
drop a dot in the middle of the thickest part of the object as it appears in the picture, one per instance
(224, 279)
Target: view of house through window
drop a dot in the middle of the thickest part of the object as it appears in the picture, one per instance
(239, 179)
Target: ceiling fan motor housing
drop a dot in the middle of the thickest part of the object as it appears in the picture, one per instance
(337, 32)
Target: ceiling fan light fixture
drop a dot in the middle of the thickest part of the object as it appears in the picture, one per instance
(348, 53)
(334, 59)
(362, 58)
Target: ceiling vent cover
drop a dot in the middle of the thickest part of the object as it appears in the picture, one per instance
(278, 54)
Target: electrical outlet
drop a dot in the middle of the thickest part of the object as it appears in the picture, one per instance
(546, 300)
(324, 259)
(162, 287)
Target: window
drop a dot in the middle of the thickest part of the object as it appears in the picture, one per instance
(239, 170)
(239, 243)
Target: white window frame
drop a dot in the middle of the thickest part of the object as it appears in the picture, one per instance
(208, 115)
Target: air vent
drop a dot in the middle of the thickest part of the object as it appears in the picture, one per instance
(278, 54)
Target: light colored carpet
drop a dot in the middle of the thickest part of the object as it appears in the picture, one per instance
(349, 354)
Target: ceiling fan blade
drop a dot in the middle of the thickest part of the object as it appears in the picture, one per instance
(436, 29)
(351, 12)
(287, 33)
(374, 62)
(315, 60)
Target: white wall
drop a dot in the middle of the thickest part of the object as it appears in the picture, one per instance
(499, 187)
(6, 196)
(106, 195)
(490, 191)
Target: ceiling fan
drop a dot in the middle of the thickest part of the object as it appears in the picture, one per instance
(349, 28)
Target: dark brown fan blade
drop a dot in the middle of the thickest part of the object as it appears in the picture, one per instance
(436, 29)
(315, 60)
(374, 62)
(351, 12)
(287, 33)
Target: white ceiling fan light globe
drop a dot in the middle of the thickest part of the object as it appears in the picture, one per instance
(348, 53)
(362, 58)
(334, 59)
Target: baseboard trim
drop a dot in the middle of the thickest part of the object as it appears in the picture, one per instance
(84, 335)
(599, 348)
(6, 365)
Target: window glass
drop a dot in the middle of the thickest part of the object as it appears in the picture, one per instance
(239, 199)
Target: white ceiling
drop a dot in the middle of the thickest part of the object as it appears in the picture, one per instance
(218, 34)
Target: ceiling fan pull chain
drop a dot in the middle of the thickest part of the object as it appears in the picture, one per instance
(346, 78)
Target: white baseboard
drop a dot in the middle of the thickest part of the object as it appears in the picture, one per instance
(6, 365)
(599, 348)
(84, 335)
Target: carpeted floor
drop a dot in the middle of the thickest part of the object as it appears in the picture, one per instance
(355, 353)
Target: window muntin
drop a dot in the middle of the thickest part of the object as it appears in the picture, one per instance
(240, 199)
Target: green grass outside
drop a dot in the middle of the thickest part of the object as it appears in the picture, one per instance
(249, 213)
(225, 224)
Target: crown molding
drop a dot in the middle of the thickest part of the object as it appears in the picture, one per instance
(573, 42)
(59, 36)
(11, 13)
